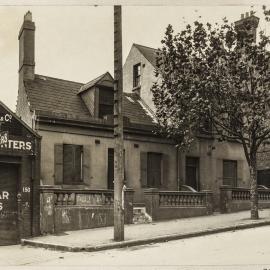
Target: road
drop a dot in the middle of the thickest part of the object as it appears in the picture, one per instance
(246, 249)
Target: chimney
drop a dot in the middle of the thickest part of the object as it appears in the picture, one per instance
(247, 25)
(27, 49)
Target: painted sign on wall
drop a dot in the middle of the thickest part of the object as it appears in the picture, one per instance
(14, 136)
(3, 137)
(3, 196)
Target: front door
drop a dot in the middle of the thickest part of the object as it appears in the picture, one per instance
(8, 204)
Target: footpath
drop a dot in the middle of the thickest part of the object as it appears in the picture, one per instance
(141, 234)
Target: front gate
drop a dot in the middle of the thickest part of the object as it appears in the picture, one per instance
(8, 204)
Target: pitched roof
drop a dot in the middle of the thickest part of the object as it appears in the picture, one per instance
(104, 77)
(148, 53)
(59, 96)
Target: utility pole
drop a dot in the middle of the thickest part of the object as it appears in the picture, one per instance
(118, 128)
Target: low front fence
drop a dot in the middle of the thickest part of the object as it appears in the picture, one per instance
(177, 204)
(75, 209)
(238, 199)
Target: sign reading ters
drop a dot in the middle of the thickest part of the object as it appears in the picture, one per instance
(17, 145)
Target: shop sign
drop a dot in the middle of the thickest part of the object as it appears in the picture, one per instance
(17, 145)
(3, 137)
(5, 118)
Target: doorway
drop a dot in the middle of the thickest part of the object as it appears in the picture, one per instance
(8, 204)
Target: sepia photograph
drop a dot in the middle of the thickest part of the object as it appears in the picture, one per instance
(135, 134)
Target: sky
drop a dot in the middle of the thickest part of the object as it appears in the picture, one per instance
(76, 42)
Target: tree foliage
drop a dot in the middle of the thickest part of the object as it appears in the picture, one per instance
(215, 73)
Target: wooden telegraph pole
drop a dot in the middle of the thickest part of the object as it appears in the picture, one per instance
(118, 128)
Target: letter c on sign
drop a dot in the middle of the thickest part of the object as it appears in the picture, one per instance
(8, 117)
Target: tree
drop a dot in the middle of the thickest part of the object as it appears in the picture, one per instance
(218, 74)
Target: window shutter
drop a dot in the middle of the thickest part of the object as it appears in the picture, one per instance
(165, 171)
(58, 164)
(78, 167)
(143, 169)
(69, 164)
(86, 163)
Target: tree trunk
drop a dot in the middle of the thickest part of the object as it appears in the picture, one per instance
(253, 190)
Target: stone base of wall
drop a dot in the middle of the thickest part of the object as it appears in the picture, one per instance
(69, 218)
(164, 213)
(75, 209)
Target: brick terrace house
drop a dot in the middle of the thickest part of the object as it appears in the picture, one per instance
(76, 125)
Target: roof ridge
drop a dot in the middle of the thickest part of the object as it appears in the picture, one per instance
(136, 44)
(58, 79)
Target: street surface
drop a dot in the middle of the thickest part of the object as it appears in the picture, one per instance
(246, 249)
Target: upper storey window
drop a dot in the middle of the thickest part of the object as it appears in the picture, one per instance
(136, 75)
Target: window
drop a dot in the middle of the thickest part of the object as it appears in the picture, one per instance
(154, 166)
(263, 177)
(72, 164)
(192, 172)
(137, 75)
(230, 173)
(105, 101)
(110, 170)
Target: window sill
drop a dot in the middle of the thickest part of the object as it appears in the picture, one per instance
(136, 88)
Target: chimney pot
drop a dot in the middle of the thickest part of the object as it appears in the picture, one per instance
(247, 14)
(28, 16)
(242, 16)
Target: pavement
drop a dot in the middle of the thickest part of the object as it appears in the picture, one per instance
(140, 234)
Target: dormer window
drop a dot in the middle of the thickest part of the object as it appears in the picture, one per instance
(136, 75)
(105, 102)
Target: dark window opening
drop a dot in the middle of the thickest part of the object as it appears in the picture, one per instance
(154, 167)
(192, 172)
(230, 173)
(105, 102)
(72, 164)
(263, 177)
(137, 75)
(110, 171)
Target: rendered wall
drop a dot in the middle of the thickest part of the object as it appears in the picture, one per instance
(147, 75)
(211, 164)
(98, 158)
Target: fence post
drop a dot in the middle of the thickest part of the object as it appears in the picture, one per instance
(225, 199)
(128, 203)
(152, 202)
(47, 203)
(208, 201)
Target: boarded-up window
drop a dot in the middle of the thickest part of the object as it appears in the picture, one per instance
(192, 172)
(154, 166)
(72, 164)
(230, 172)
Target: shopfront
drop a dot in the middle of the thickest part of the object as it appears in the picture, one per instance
(19, 179)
